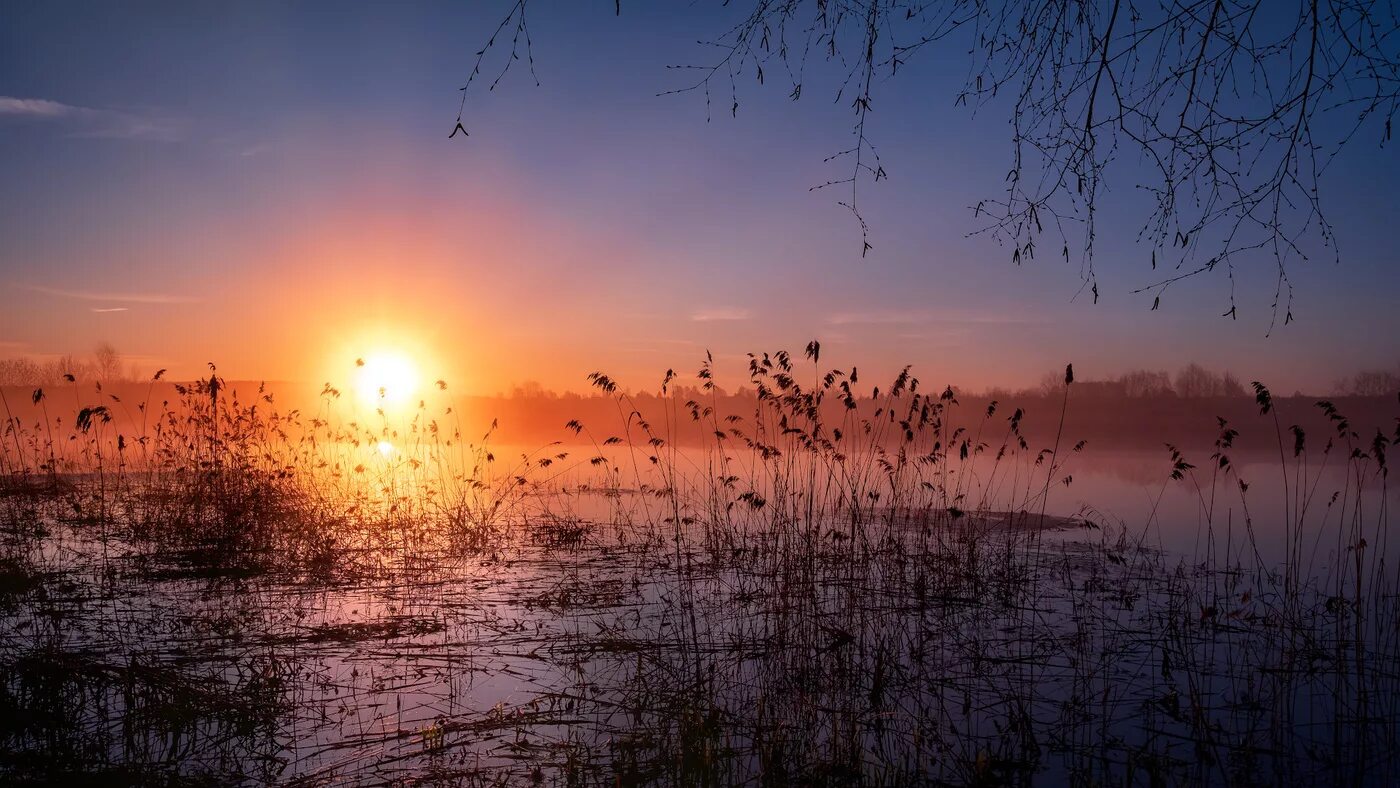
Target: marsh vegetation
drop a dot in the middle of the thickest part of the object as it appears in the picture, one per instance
(840, 584)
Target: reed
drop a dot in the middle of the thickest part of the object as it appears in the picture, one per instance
(836, 585)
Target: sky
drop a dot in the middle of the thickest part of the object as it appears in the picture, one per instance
(271, 187)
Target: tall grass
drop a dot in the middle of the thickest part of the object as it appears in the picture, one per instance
(837, 585)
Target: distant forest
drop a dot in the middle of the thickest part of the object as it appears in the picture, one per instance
(1194, 381)
(1141, 409)
(105, 364)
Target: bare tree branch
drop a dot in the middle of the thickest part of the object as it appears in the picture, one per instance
(1234, 107)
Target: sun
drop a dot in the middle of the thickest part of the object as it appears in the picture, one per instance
(386, 379)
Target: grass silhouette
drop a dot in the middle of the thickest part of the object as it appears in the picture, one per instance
(839, 585)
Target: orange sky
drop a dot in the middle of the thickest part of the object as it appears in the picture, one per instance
(276, 192)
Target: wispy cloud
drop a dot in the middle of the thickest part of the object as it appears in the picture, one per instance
(38, 108)
(104, 310)
(90, 123)
(121, 298)
(880, 317)
(898, 316)
(721, 313)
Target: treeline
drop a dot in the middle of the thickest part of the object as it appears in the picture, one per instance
(535, 417)
(1371, 383)
(1194, 381)
(104, 364)
(1191, 381)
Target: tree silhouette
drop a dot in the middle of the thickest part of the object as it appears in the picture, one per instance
(1195, 380)
(107, 362)
(1233, 107)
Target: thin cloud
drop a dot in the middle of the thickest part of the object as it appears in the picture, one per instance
(721, 313)
(122, 126)
(127, 298)
(882, 317)
(89, 123)
(104, 310)
(896, 316)
(38, 108)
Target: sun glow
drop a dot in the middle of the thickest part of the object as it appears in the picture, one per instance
(386, 380)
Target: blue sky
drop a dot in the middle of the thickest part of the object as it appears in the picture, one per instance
(267, 185)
